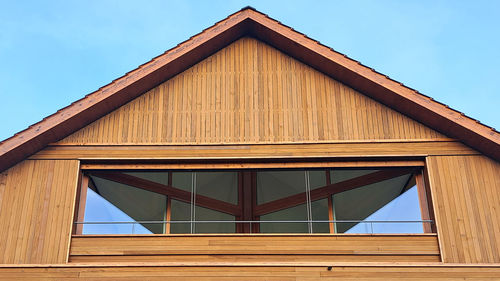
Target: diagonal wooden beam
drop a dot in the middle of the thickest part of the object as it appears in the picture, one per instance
(328, 190)
(174, 193)
(408, 184)
(93, 186)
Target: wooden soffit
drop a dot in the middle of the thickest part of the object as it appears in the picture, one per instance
(249, 22)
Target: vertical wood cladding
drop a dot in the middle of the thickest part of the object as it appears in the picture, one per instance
(249, 92)
(36, 211)
(466, 192)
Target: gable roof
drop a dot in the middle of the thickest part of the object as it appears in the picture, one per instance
(249, 22)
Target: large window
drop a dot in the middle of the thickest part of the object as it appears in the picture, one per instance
(382, 200)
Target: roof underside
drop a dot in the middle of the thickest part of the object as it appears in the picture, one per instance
(249, 22)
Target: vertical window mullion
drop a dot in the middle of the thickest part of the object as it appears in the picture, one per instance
(193, 202)
(168, 215)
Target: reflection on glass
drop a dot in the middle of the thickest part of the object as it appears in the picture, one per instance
(320, 213)
(297, 213)
(99, 209)
(180, 212)
(219, 185)
(368, 200)
(408, 201)
(205, 214)
(137, 204)
(273, 185)
(277, 201)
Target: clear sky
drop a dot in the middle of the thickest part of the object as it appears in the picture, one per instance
(55, 52)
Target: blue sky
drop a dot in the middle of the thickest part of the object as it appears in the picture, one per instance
(55, 52)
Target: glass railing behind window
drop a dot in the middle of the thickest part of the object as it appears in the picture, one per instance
(253, 201)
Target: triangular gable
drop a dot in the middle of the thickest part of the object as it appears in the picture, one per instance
(252, 23)
(250, 92)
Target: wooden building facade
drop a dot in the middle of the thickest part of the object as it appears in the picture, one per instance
(246, 96)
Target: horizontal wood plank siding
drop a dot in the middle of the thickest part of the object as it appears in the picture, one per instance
(253, 258)
(466, 192)
(264, 151)
(275, 248)
(36, 211)
(250, 92)
(343, 272)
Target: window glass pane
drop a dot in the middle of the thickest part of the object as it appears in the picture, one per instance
(99, 209)
(182, 180)
(222, 186)
(111, 198)
(320, 213)
(360, 203)
(218, 185)
(337, 176)
(180, 212)
(204, 214)
(297, 213)
(154, 176)
(317, 178)
(137, 204)
(273, 185)
(393, 211)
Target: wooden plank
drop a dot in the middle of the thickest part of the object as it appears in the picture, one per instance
(69, 211)
(256, 165)
(252, 271)
(424, 204)
(81, 199)
(37, 211)
(256, 245)
(245, 258)
(300, 109)
(467, 221)
(360, 150)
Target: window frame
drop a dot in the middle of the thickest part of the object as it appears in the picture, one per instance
(424, 194)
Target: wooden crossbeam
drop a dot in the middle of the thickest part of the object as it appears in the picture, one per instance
(328, 190)
(174, 193)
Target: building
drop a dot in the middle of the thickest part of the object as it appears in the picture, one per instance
(251, 151)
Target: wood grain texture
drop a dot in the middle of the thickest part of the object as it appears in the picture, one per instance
(249, 92)
(380, 272)
(36, 210)
(209, 165)
(466, 196)
(252, 258)
(255, 248)
(360, 150)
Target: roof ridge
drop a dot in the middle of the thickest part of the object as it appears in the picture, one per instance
(249, 8)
